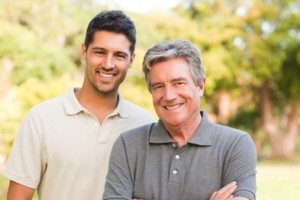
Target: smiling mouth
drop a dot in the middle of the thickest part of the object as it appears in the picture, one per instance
(174, 107)
(106, 75)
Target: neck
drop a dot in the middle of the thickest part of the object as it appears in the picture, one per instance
(99, 104)
(184, 132)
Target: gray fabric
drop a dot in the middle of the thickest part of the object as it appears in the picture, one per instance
(143, 161)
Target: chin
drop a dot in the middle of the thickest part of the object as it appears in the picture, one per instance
(174, 122)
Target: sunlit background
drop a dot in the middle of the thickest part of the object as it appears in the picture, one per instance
(139, 6)
(250, 50)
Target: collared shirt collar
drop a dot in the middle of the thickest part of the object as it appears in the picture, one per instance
(73, 107)
(202, 136)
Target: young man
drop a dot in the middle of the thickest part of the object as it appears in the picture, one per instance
(184, 155)
(63, 145)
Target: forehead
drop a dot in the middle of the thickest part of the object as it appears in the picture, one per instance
(111, 41)
(170, 69)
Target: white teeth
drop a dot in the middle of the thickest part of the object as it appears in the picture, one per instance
(173, 107)
(106, 75)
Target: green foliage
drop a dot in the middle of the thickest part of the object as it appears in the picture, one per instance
(31, 57)
(34, 59)
(40, 53)
(246, 119)
(15, 106)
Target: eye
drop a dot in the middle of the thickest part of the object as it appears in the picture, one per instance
(121, 56)
(156, 87)
(179, 83)
(100, 52)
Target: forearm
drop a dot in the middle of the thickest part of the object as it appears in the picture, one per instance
(17, 191)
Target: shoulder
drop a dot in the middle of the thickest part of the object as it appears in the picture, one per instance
(136, 137)
(44, 110)
(49, 105)
(229, 131)
(233, 138)
(134, 140)
(235, 134)
(138, 133)
(133, 107)
(134, 111)
(218, 132)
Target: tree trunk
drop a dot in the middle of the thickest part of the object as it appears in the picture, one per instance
(224, 107)
(282, 138)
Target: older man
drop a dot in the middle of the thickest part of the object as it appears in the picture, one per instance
(184, 155)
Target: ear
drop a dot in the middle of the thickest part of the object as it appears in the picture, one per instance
(83, 52)
(201, 87)
(131, 59)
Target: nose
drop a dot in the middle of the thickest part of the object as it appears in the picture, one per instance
(108, 63)
(170, 93)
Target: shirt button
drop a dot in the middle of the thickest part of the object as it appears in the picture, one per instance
(175, 172)
(177, 157)
(174, 145)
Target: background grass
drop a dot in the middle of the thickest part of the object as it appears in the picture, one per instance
(279, 181)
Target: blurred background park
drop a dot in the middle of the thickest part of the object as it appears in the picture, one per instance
(250, 50)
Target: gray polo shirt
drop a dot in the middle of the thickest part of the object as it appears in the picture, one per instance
(145, 163)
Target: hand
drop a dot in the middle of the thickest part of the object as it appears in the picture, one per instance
(224, 193)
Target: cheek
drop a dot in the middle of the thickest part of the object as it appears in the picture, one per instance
(155, 98)
(124, 68)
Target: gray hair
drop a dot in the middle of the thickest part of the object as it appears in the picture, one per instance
(168, 49)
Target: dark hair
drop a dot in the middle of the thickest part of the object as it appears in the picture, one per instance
(114, 21)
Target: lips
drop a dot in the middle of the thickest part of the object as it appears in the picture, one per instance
(173, 107)
(106, 74)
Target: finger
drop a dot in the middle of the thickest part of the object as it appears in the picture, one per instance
(226, 191)
(212, 197)
(229, 188)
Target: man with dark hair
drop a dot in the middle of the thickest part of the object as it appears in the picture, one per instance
(63, 145)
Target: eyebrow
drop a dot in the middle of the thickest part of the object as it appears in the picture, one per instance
(172, 81)
(98, 48)
(103, 49)
(155, 84)
(179, 79)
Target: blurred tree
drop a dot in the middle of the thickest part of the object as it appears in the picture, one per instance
(252, 52)
(30, 49)
(272, 67)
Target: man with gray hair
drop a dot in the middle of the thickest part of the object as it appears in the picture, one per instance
(184, 155)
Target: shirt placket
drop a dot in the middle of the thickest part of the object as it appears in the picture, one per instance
(176, 171)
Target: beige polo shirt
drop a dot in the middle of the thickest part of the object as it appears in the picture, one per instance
(63, 151)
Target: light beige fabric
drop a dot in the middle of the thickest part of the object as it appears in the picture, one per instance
(63, 151)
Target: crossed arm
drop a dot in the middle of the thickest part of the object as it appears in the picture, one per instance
(224, 193)
(21, 192)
